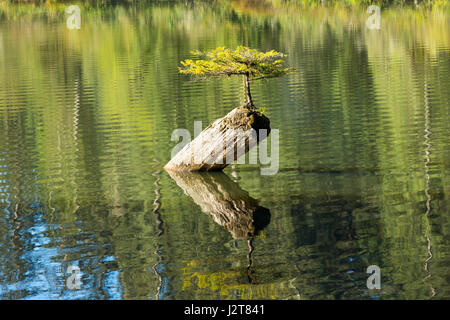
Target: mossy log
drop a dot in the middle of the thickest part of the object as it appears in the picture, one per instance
(222, 142)
(224, 201)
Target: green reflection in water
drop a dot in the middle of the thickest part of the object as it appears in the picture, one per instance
(85, 123)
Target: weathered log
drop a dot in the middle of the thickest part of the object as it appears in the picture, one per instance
(224, 201)
(222, 142)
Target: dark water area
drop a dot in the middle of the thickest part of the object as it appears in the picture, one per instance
(86, 118)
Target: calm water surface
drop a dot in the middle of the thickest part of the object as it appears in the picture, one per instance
(86, 118)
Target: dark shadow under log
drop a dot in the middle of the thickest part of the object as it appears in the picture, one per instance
(222, 142)
(225, 202)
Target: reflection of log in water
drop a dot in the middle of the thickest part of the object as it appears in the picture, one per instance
(226, 203)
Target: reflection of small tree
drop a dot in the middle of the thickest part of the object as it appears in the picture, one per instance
(250, 63)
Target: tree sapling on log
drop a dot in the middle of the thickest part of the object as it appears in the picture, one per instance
(244, 127)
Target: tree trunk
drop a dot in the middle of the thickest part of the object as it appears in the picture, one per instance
(222, 142)
(248, 101)
(225, 202)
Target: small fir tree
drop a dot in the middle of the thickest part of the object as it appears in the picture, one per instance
(249, 63)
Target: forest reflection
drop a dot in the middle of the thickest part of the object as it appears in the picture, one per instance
(85, 124)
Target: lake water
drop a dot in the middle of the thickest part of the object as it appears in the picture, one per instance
(86, 118)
